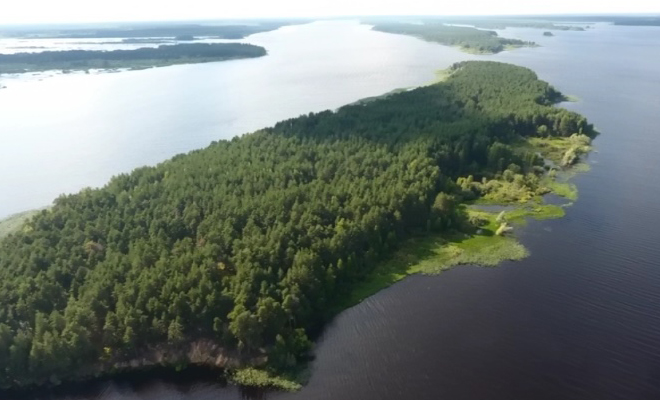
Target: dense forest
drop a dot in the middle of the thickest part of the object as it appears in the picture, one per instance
(249, 242)
(500, 23)
(144, 57)
(468, 39)
(152, 30)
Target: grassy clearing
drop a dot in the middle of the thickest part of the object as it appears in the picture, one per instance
(483, 248)
(435, 253)
(540, 212)
(564, 189)
(556, 149)
(501, 191)
(259, 378)
(14, 222)
(441, 75)
(579, 168)
(552, 148)
(368, 100)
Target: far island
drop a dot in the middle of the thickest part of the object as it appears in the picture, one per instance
(164, 55)
(141, 30)
(548, 33)
(500, 23)
(469, 40)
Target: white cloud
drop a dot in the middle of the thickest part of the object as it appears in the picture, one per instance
(142, 10)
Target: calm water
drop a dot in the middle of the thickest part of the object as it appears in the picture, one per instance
(579, 319)
(64, 132)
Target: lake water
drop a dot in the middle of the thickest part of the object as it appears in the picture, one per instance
(61, 133)
(578, 319)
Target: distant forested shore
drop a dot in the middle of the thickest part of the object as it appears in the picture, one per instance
(144, 30)
(76, 60)
(503, 23)
(236, 255)
(468, 39)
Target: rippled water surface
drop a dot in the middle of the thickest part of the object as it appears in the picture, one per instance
(579, 319)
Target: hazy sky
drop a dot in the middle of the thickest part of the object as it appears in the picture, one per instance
(55, 11)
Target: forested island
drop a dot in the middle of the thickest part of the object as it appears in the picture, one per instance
(503, 23)
(588, 20)
(548, 33)
(139, 58)
(636, 21)
(235, 255)
(468, 39)
(145, 30)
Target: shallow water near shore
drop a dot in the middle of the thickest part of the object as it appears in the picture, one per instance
(578, 319)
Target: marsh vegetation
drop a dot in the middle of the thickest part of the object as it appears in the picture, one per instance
(254, 243)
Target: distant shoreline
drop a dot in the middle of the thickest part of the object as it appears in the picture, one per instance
(142, 58)
(467, 39)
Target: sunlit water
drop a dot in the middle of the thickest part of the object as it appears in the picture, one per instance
(578, 319)
(61, 133)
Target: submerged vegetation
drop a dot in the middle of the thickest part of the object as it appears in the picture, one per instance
(139, 58)
(259, 378)
(253, 243)
(430, 253)
(468, 39)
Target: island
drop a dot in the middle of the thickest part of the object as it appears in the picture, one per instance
(163, 55)
(548, 33)
(574, 21)
(468, 39)
(140, 41)
(498, 23)
(235, 256)
(144, 30)
(636, 21)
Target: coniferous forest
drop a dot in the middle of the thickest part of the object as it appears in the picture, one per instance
(249, 242)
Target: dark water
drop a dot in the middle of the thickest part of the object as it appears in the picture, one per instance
(579, 319)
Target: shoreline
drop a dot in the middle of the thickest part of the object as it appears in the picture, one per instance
(427, 254)
(122, 67)
(424, 253)
(140, 58)
(431, 254)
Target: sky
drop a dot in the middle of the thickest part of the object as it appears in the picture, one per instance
(62, 11)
